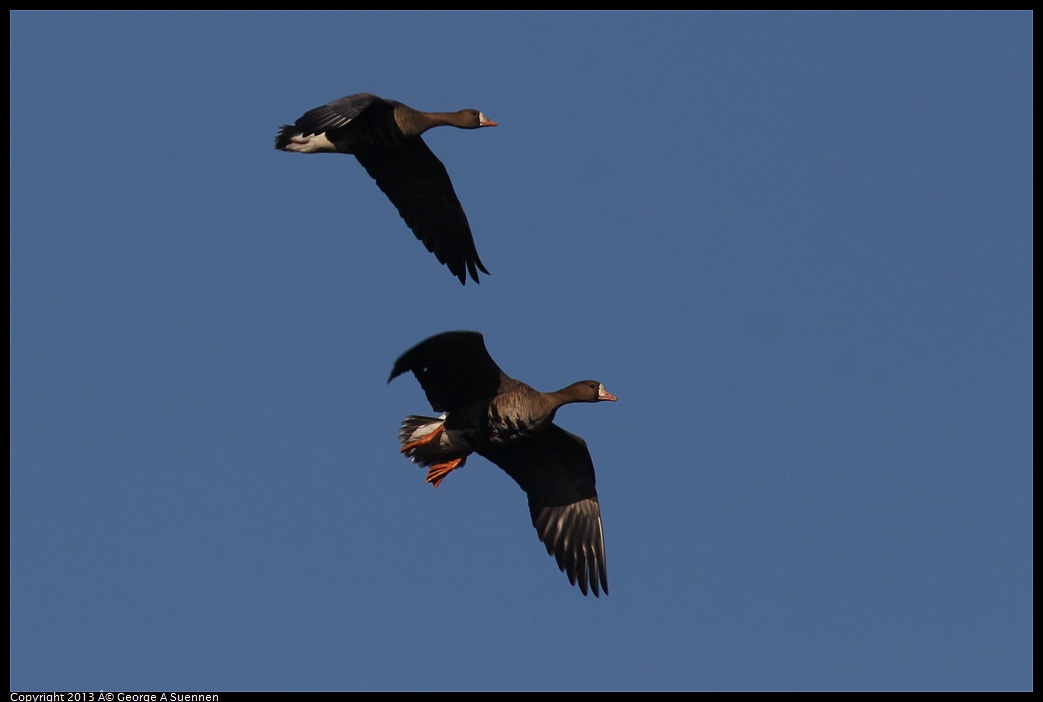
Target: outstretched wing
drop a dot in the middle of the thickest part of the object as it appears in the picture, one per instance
(454, 369)
(418, 185)
(555, 470)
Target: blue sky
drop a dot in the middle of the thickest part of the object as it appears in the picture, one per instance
(797, 247)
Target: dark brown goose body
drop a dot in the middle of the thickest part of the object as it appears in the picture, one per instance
(509, 423)
(384, 135)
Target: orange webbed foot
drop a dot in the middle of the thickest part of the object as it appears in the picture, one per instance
(436, 474)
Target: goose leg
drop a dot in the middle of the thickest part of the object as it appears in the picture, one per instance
(436, 474)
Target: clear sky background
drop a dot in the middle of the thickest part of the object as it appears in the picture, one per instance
(797, 247)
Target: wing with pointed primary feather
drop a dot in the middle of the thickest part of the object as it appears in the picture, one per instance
(454, 369)
(555, 470)
(418, 185)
